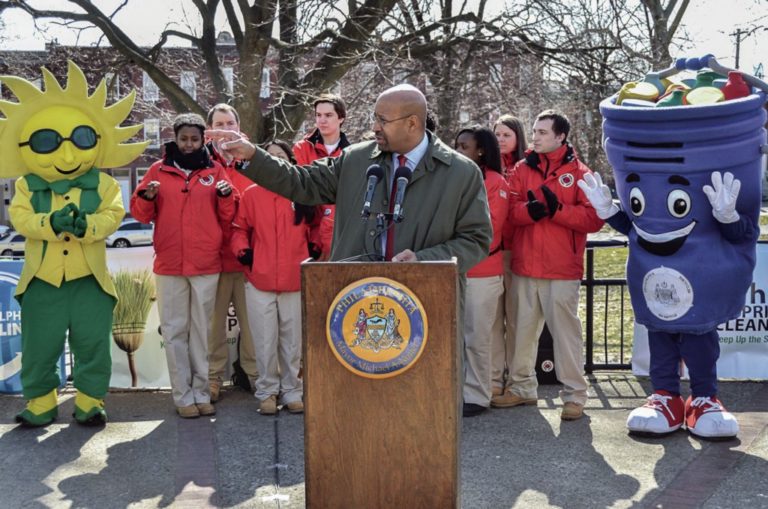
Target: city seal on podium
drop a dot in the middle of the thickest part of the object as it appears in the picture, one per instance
(377, 328)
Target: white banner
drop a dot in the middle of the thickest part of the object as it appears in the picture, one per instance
(743, 341)
(149, 359)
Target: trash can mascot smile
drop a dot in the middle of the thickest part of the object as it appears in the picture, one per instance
(56, 141)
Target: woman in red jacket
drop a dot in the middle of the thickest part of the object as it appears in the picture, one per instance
(510, 134)
(188, 197)
(270, 237)
(484, 308)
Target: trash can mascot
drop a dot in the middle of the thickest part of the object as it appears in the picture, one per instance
(692, 251)
(56, 141)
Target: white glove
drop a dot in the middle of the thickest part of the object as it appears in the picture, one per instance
(722, 195)
(598, 195)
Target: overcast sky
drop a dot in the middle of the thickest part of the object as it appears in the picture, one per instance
(707, 22)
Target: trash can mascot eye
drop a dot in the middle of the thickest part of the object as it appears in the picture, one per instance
(56, 141)
(688, 179)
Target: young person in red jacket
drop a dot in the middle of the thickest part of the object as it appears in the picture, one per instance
(510, 134)
(484, 308)
(188, 196)
(326, 140)
(552, 218)
(270, 237)
(231, 286)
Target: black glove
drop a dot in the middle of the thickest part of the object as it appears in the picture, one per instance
(553, 204)
(536, 209)
(246, 257)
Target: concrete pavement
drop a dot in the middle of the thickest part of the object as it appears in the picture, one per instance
(510, 458)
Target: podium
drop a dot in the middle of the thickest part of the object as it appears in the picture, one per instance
(380, 432)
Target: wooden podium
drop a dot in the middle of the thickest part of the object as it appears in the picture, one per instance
(382, 442)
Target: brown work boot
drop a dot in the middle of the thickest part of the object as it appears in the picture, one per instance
(295, 407)
(206, 408)
(215, 387)
(497, 391)
(572, 411)
(508, 399)
(188, 412)
(268, 406)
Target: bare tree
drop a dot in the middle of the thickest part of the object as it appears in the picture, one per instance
(330, 48)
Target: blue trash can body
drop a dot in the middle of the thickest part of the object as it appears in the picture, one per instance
(683, 275)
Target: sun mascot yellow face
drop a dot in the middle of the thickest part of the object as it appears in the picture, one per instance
(63, 133)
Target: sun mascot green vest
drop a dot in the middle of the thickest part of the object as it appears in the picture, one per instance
(56, 140)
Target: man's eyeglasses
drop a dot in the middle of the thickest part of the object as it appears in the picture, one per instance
(378, 119)
(45, 141)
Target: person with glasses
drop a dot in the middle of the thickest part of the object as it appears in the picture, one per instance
(65, 207)
(189, 197)
(445, 209)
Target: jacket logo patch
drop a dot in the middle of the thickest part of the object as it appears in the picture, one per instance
(566, 180)
(207, 180)
(503, 194)
(327, 212)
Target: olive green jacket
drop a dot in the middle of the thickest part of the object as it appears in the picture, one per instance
(445, 207)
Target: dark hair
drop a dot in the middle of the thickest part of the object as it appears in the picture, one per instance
(223, 108)
(188, 120)
(516, 125)
(301, 212)
(487, 142)
(338, 104)
(560, 124)
(431, 121)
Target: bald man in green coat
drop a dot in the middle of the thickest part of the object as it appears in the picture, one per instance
(445, 206)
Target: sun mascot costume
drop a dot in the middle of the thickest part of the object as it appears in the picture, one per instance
(56, 140)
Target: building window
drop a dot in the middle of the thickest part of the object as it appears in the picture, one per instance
(265, 83)
(187, 82)
(113, 85)
(152, 132)
(150, 91)
(229, 78)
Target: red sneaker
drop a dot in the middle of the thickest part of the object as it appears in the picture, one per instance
(662, 413)
(708, 418)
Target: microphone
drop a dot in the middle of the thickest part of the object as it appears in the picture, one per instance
(374, 174)
(402, 177)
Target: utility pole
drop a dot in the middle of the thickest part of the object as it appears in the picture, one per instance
(737, 34)
(745, 33)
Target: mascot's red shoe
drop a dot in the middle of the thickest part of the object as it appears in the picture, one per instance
(663, 413)
(708, 418)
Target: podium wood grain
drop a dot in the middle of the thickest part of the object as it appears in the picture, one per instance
(390, 442)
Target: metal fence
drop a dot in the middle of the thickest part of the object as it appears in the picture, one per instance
(607, 314)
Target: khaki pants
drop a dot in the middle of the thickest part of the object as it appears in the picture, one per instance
(483, 326)
(556, 302)
(502, 347)
(275, 320)
(231, 288)
(186, 305)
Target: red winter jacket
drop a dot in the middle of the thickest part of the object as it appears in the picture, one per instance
(550, 248)
(240, 182)
(508, 162)
(307, 151)
(264, 223)
(188, 217)
(498, 203)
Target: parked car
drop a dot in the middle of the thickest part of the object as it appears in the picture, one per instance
(132, 233)
(12, 244)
